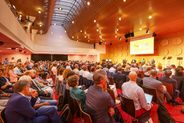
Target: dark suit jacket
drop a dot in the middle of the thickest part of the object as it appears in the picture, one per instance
(19, 109)
(153, 83)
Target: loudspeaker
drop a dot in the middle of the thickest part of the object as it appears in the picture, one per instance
(94, 46)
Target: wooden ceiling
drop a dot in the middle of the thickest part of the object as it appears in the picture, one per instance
(113, 18)
(42, 10)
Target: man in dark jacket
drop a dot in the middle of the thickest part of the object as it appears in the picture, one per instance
(19, 109)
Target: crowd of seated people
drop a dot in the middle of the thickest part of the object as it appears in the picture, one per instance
(87, 82)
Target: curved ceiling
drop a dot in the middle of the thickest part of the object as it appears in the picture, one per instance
(106, 20)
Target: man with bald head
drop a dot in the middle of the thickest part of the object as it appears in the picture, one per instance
(132, 91)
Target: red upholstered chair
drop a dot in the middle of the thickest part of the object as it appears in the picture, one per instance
(128, 106)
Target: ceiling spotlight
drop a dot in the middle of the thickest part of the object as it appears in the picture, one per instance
(149, 17)
(140, 29)
(85, 33)
(41, 25)
(88, 3)
(117, 30)
(119, 18)
(97, 30)
(73, 22)
(94, 21)
(65, 31)
(73, 37)
(85, 36)
(39, 11)
(14, 6)
(124, 0)
(80, 30)
(60, 8)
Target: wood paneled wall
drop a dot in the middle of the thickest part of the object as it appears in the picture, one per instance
(165, 47)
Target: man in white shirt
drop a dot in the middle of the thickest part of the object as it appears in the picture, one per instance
(132, 91)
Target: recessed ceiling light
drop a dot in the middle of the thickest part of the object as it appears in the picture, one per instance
(85, 32)
(72, 36)
(20, 15)
(119, 18)
(117, 29)
(94, 21)
(85, 36)
(39, 11)
(97, 30)
(60, 8)
(140, 29)
(65, 31)
(80, 30)
(124, 0)
(14, 6)
(73, 22)
(41, 25)
(149, 17)
(88, 3)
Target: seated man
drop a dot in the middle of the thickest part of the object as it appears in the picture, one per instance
(152, 82)
(39, 87)
(166, 78)
(132, 91)
(5, 85)
(99, 103)
(19, 109)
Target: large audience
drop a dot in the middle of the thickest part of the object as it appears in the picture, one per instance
(35, 92)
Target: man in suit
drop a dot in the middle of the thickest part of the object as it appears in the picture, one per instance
(166, 78)
(152, 82)
(19, 109)
(119, 78)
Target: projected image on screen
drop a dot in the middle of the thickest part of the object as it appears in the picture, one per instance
(142, 46)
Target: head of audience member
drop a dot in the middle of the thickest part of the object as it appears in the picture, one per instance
(179, 71)
(119, 69)
(100, 79)
(76, 66)
(19, 64)
(73, 81)
(168, 73)
(65, 73)
(10, 67)
(93, 69)
(23, 85)
(60, 71)
(31, 73)
(153, 73)
(132, 76)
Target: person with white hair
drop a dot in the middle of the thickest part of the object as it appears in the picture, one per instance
(132, 91)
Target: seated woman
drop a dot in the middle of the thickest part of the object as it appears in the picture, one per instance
(76, 92)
